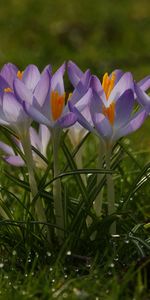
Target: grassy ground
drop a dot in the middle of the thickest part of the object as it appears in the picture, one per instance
(101, 35)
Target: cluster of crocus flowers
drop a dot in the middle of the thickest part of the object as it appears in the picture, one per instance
(105, 108)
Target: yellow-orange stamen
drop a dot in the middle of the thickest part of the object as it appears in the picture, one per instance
(57, 104)
(8, 90)
(108, 84)
(20, 74)
(109, 112)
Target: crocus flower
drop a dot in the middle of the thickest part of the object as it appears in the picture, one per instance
(142, 97)
(111, 107)
(39, 140)
(33, 87)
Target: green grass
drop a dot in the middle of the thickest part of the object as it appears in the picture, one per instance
(102, 36)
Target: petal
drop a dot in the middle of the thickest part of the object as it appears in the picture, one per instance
(74, 73)
(125, 83)
(15, 160)
(12, 109)
(144, 84)
(142, 98)
(35, 140)
(57, 82)
(68, 120)
(81, 88)
(102, 125)
(6, 148)
(3, 83)
(135, 122)
(84, 101)
(123, 109)
(30, 77)
(80, 118)
(9, 73)
(36, 115)
(118, 75)
(44, 135)
(21, 91)
(48, 69)
(95, 84)
(42, 88)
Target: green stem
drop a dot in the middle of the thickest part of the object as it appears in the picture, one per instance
(79, 163)
(110, 190)
(58, 205)
(99, 199)
(25, 139)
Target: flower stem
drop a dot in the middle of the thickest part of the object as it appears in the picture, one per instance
(99, 199)
(26, 143)
(110, 190)
(58, 205)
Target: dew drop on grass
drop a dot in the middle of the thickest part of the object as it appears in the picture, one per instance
(1, 265)
(115, 236)
(65, 295)
(112, 265)
(14, 253)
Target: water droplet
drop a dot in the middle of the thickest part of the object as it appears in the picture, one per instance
(115, 236)
(15, 287)
(109, 273)
(65, 295)
(116, 258)
(24, 293)
(69, 252)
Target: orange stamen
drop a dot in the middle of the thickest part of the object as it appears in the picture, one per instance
(108, 83)
(8, 90)
(20, 74)
(109, 112)
(57, 104)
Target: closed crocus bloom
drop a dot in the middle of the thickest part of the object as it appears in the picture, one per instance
(38, 139)
(29, 87)
(142, 97)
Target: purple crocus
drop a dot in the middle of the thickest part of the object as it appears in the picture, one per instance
(142, 97)
(54, 111)
(33, 87)
(38, 139)
(111, 107)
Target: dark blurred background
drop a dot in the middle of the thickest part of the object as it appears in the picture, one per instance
(100, 35)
